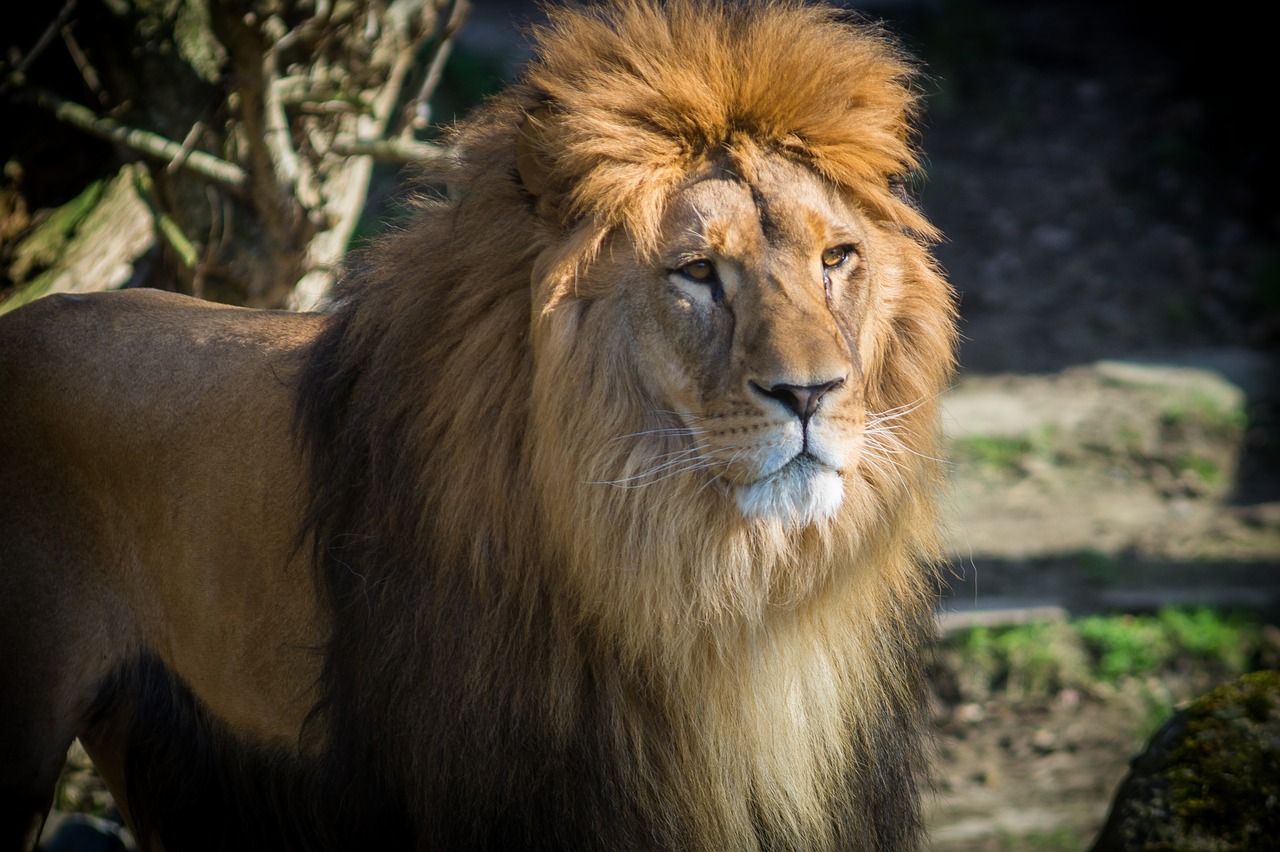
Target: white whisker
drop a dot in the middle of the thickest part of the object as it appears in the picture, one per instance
(899, 411)
(667, 461)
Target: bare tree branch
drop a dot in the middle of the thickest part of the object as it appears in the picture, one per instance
(19, 72)
(228, 175)
(87, 72)
(417, 113)
(168, 228)
(387, 150)
(303, 100)
(184, 150)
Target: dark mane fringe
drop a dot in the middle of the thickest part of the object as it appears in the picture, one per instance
(476, 786)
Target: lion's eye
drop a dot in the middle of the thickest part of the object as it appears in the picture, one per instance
(834, 256)
(703, 271)
(700, 270)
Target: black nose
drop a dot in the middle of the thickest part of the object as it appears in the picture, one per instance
(801, 400)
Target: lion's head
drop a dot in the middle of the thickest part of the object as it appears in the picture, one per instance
(736, 322)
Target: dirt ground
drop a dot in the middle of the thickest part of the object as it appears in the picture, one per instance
(1105, 206)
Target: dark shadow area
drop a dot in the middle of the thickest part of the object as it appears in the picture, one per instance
(1092, 583)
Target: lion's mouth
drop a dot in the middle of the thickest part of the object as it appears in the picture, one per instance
(802, 491)
(803, 463)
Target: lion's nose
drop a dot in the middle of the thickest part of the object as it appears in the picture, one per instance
(800, 400)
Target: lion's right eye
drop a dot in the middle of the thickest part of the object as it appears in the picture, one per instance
(700, 270)
(703, 271)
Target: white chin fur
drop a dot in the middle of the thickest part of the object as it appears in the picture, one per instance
(796, 496)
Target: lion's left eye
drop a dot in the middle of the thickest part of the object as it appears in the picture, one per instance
(836, 255)
(700, 270)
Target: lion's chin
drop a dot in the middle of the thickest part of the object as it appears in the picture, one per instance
(800, 494)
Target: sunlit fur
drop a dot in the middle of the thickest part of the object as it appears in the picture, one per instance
(517, 585)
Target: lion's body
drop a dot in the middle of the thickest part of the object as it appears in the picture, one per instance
(593, 518)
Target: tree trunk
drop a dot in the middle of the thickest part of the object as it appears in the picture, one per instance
(252, 119)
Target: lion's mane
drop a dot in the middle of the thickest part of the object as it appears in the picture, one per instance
(522, 658)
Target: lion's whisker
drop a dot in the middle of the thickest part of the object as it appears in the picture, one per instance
(899, 448)
(902, 410)
(674, 464)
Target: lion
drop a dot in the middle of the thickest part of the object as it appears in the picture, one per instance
(597, 512)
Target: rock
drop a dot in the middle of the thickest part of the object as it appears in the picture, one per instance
(1209, 780)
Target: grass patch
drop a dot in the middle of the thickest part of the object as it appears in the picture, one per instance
(1026, 661)
(1206, 413)
(1207, 635)
(1039, 659)
(1125, 646)
(1206, 470)
(1064, 839)
(1002, 453)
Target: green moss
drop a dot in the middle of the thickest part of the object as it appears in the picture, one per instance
(1209, 781)
(1224, 775)
(42, 247)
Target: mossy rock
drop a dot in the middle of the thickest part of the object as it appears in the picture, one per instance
(1209, 780)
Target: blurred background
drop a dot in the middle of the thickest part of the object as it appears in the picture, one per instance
(1106, 185)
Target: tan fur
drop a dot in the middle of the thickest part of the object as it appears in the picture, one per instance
(554, 505)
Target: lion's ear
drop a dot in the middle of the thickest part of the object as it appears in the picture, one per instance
(531, 148)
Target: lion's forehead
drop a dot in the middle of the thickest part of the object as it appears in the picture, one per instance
(779, 211)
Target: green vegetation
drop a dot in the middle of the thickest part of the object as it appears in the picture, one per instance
(1004, 453)
(1064, 839)
(1038, 659)
(44, 245)
(1125, 646)
(1205, 412)
(1205, 634)
(1124, 656)
(1025, 661)
(1207, 470)
(993, 451)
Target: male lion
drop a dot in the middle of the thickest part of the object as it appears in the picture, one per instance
(593, 517)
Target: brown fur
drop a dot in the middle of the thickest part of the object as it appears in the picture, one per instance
(561, 599)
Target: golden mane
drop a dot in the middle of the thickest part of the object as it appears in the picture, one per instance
(639, 93)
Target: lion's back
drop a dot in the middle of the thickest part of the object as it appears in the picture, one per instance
(149, 477)
(121, 384)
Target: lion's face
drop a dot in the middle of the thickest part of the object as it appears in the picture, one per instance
(745, 324)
